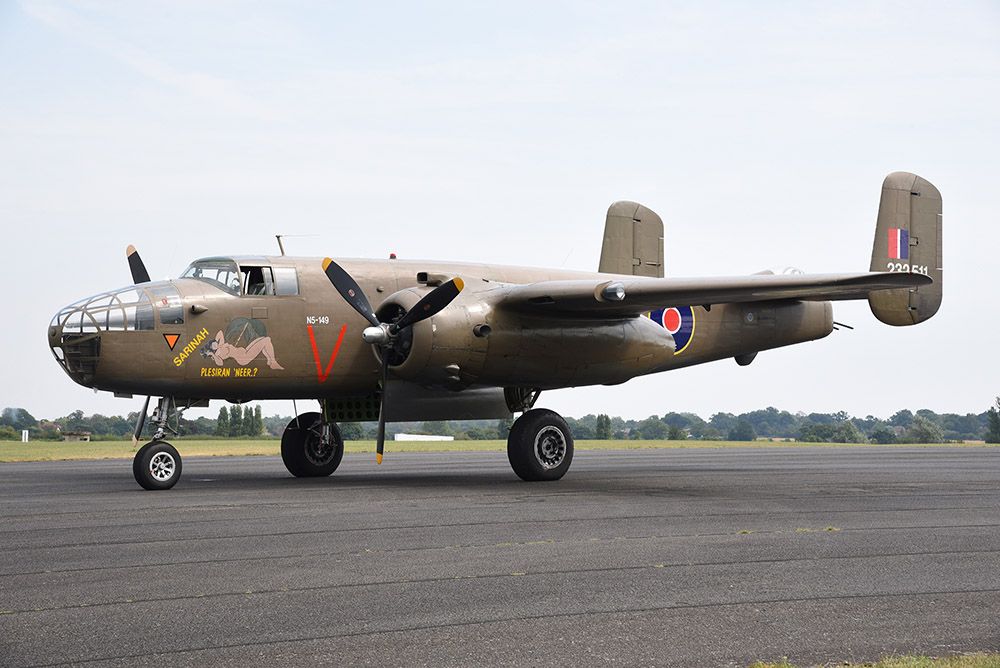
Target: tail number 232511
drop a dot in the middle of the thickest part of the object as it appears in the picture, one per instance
(907, 268)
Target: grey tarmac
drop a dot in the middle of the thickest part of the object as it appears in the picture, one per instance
(653, 557)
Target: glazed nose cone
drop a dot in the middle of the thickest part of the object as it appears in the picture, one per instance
(75, 339)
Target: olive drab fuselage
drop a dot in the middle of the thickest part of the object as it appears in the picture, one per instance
(197, 339)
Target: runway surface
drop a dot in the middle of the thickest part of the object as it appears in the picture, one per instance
(683, 557)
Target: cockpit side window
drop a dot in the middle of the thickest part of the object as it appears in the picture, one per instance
(221, 273)
(257, 281)
(286, 281)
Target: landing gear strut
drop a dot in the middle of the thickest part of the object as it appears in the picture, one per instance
(157, 465)
(540, 445)
(311, 446)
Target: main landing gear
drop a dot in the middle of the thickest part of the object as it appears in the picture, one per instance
(311, 446)
(540, 445)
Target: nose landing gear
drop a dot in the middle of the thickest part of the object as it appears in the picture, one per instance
(157, 465)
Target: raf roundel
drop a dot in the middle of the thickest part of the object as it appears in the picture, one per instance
(678, 321)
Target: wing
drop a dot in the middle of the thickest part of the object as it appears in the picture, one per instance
(631, 296)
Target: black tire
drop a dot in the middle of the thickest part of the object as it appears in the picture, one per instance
(157, 466)
(540, 446)
(302, 450)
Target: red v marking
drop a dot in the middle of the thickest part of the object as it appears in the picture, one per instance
(320, 373)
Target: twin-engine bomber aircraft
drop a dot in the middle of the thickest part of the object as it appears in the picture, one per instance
(414, 340)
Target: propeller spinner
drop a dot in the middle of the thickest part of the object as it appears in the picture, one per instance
(383, 335)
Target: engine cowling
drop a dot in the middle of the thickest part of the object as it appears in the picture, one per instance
(448, 349)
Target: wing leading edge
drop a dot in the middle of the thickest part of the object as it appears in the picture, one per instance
(599, 296)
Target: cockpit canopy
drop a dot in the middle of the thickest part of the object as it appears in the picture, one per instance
(246, 277)
(217, 271)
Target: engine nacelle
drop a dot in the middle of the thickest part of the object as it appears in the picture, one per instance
(471, 342)
(543, 352)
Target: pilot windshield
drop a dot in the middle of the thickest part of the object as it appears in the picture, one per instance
(221, 273)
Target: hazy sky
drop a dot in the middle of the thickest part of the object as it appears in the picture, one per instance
(759, 131)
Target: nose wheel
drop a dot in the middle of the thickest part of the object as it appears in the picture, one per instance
(540, 446)
(157, 465)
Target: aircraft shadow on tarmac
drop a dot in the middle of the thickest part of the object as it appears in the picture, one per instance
(223, 476)
(478, 481)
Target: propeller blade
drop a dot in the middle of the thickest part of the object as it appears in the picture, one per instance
(380, 438)
(141, 422)
(431, 304)
(352, 293)
(349, 290)
(135, 265)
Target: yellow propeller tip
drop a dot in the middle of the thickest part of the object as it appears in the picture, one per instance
(459, 283)
(326, 263)
(378, 457)
(130, 250)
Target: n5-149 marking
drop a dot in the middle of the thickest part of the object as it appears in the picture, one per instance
(317, 320)
(905, 268)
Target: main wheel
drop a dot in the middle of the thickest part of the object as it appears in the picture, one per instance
(157, 465)
(305, 450)
(540, 445)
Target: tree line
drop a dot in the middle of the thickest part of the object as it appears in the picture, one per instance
(236, 421)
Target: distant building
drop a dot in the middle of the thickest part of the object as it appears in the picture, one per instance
(422, 437)
(76, 436)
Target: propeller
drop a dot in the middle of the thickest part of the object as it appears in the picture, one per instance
(135, 265)
(384, 334)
